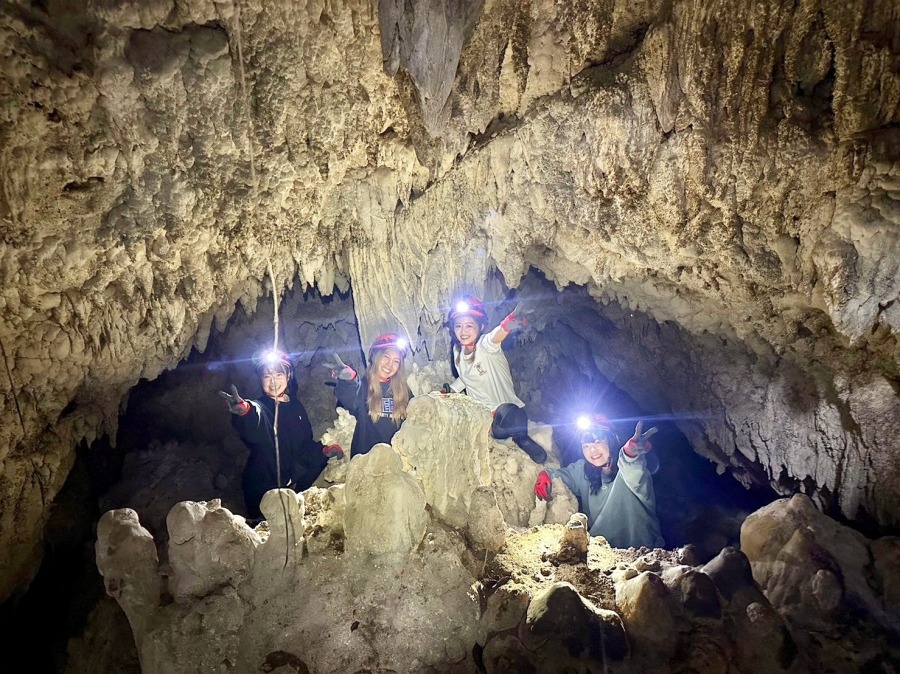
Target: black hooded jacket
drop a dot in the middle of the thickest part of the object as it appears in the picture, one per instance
(302, 459)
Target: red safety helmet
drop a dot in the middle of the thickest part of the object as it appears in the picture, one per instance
(389, 340)
(598, 427)
(469, 306)
(272, 358)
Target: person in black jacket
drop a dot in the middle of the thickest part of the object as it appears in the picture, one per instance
(302, 459)
(379, 399)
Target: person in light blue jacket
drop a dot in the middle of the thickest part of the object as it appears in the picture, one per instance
(614, 487)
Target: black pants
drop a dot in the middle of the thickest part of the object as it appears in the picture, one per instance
(510, 421)
(255, 488)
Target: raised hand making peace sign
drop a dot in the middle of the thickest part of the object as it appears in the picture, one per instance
(639, 443)
(339, 368)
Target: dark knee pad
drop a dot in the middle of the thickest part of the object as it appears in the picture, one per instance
(531, 448)
(509, 421)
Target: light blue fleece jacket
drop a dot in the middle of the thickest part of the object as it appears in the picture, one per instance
(623, 511)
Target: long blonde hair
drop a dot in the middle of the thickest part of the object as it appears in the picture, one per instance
(399, 389)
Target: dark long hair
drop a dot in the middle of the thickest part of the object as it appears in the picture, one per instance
(454, 343)
(595, 475)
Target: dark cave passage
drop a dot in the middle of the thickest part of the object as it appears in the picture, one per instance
(175, 432)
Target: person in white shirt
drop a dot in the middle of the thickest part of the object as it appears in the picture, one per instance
(482, 371)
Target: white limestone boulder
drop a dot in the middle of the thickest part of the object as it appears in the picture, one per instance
(814, 570)
(208, 548)
(444, 443)
(644, 604)
(284, 510)
(384, 506)
(486, 523)
(565, 630)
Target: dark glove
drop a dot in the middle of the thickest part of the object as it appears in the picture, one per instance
(543, 486)
(518, 318)
(333, 451)
(339, 368)
(236, 404)
(639, 443)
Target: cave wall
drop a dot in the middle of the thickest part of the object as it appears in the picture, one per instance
(727, 169)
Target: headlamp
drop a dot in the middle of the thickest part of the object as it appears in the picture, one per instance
(583, 423)
(270, 358)
(462, 307)
(401, 344)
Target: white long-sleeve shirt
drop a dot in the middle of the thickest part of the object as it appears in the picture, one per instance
(485, 374)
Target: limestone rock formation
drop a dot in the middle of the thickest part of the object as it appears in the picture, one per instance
(461, 427)
(561, 623)
(378, 574)
(819, 577)
(763, 641)
(126, 557)
(721, 178)
(485, 521)
(385, 510)
(426, 39)
(576, 541)
(207, 549)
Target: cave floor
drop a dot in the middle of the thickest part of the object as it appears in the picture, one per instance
(530, 563)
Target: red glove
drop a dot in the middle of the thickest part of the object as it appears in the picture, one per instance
(543, 486)
(236, 404)
(518, 318)
(639, 443)
(333, 450)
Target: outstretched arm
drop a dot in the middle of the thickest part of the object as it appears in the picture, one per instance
(633, 463)
(518, 318)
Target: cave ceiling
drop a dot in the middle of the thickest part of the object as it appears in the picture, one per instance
(721, 176)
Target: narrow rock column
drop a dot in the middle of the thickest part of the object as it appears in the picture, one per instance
(127, 560)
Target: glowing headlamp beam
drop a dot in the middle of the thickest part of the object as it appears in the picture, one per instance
(462, 307)
(401, 344)
(583, 422)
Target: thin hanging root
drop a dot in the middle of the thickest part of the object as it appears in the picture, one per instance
(12, 387)
(287, 536)
(254, 220)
